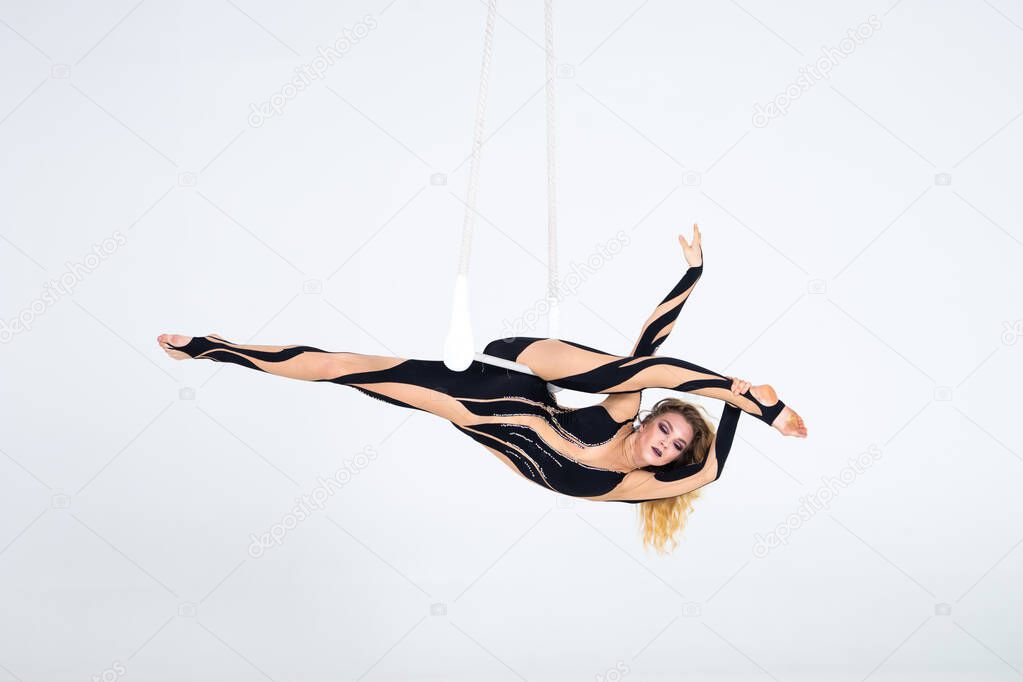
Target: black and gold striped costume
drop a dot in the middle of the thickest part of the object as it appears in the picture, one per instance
(515, 416)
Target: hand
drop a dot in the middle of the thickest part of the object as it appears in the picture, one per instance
(692, 251)
(739, 386)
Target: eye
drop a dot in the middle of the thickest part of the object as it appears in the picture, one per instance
(664, 429)
(679, 446)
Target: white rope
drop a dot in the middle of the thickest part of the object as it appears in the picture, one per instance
(459, 344)
(550, 72)
(553, 297)
(469, 221)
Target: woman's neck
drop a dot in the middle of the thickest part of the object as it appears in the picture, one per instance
(627, 452)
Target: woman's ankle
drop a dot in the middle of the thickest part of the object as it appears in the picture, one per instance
(767, 401)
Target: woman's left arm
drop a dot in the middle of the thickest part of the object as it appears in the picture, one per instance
(661, 322)
(624, 406)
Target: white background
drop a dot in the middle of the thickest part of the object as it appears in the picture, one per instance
(883, 304)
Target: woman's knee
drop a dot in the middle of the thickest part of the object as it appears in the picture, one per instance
(343, 363)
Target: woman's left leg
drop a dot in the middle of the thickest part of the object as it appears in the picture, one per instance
(417, 384)
(581, 368)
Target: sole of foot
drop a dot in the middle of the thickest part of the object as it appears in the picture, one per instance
(168, 340)
(787, 422)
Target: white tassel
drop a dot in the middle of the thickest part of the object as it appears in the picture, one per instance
(459, 347)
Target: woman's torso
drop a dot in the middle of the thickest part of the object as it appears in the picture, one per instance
(574, 452)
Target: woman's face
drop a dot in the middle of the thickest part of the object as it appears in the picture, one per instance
(662, 439)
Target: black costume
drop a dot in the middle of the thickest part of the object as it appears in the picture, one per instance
(491, 393)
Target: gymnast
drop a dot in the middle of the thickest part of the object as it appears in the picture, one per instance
(603, 452)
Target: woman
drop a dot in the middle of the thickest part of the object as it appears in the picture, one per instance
(595, 452)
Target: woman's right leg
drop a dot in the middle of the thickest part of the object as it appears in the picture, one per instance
(581, 368)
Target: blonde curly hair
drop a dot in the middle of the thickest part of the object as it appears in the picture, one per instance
(662, 520)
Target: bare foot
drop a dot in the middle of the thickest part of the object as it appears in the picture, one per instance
(787, 422)
(168, 340)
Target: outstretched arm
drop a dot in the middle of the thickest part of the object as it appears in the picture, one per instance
(641, 486)
(661, 322)
(624, 406)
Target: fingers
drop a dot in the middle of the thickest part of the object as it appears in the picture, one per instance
(696, 237)
(739, 386)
